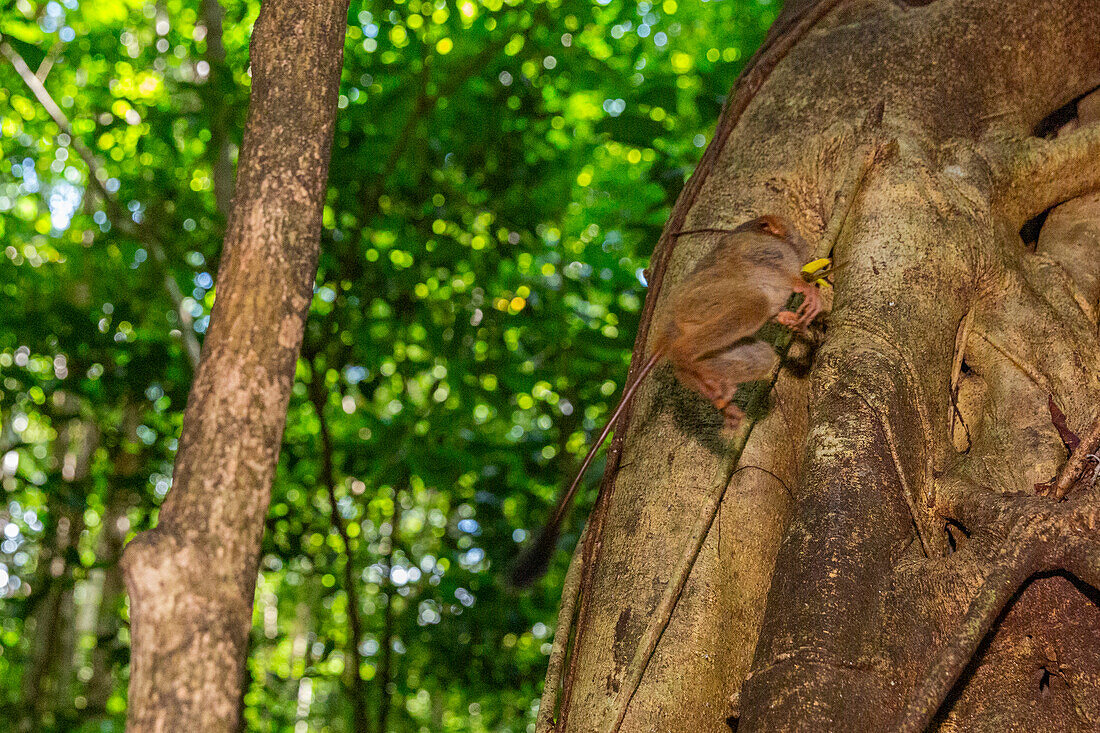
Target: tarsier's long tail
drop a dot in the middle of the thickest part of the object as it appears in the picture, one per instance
(535, 558)
(533, 562)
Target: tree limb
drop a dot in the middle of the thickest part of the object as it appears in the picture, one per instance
(1014, 566)
(1075, 466)
(1043, 536)
(385, 665)
(1034, 174)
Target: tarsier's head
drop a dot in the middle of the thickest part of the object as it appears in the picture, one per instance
(767, 225)
(773, 226)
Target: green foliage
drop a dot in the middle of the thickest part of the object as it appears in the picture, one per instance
(500, 173)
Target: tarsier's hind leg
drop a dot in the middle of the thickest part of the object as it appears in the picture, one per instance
(718, 377)
(699, 379)
(715, 386)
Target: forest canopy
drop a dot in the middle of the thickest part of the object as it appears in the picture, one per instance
(500, 174)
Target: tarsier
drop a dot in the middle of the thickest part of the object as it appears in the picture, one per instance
(707, 333)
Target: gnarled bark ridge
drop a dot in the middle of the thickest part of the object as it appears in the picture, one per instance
(884, 516)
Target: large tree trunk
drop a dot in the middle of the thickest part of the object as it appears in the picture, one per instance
(868, 512)
(191, 579)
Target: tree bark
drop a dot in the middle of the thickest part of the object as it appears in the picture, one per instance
(828, 594)
(191, 579)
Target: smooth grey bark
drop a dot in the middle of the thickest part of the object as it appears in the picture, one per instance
(827, 592)
(191, 579)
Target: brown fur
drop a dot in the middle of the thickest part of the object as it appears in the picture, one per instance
(707, 334)
(707, 329)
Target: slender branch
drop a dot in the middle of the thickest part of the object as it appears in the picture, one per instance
(48, 61)
(318, 396)
(97, 176)
(551, 691)
(1081, 456)
(385, 666)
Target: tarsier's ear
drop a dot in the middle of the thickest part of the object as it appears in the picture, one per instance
(772, 225)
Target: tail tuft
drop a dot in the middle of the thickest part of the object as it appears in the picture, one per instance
(534, 560)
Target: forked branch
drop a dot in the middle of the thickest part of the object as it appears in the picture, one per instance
(96, 177)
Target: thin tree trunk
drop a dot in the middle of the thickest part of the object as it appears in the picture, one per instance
(102, 683)
(191, 579)
(52, 620)
(49, 673)
(126, 465)
(356, 689)
(385, 665)
(48, 630)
